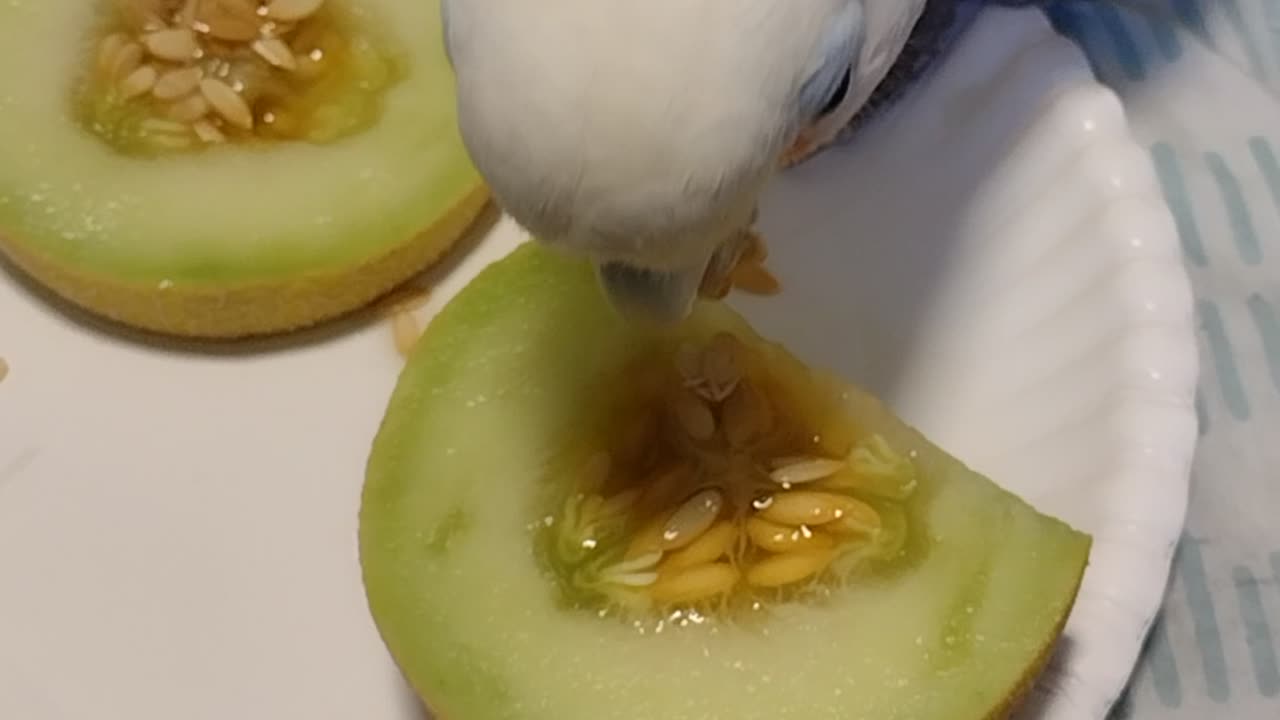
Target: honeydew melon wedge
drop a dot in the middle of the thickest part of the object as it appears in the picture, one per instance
(127, 189)
(502, 530)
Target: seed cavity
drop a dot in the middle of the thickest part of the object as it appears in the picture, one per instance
(297, 70)
(712, 494)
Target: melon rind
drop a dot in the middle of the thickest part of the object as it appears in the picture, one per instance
(240, 240)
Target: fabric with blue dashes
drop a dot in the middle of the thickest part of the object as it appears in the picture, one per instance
(1200, 80)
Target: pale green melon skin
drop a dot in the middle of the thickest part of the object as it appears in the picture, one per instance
(324, 227)
(492, 388)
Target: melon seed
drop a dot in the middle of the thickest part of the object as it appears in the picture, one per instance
(173, 44)
(806, 470)
(800, 507)
(173, 84)
(711, 546)
(693, 518)
(788, 568)
(694, 584)
(276, 52)
(138, 82)
(227, 102)
(189, 109)
(776, 538)
(292, 10)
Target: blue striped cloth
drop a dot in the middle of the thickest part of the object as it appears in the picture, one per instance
(1201, 82)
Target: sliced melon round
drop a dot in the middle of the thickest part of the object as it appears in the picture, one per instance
(567, 517)
(223, 168)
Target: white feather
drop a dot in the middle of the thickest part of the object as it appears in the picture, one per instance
(642, 132)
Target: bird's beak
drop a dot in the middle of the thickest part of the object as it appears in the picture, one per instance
(661, 297)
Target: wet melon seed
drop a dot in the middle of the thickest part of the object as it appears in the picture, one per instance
(788, 568)
(176, 83)
(710, 546)
(776, 538)
(692, 519)
(689, 585)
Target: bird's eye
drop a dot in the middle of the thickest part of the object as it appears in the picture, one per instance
(836, 55)
(838, 95)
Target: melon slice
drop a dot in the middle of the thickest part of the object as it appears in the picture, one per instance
(222, 168)
(567, 517)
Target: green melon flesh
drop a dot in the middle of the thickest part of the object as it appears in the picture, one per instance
(237, 240)
(956, 628)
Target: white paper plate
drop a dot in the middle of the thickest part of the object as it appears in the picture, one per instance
(177, 528)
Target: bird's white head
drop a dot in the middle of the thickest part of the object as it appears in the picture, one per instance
(640, 134)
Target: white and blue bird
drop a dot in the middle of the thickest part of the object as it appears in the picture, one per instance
(641, 134)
